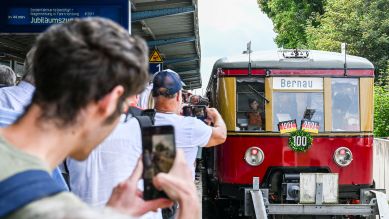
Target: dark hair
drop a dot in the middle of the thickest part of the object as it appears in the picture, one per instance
(28, 67)
(251, 100)
(79, 62)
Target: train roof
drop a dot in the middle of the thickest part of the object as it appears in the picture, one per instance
(279, 60)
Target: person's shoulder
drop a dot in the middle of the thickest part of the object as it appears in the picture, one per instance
(131, 124)
(131, 121)
(65, 205)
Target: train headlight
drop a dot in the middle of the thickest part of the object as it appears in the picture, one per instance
(343, 156)
(254, 156)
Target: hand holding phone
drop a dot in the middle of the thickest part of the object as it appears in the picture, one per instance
(158, 156)
(127, 198)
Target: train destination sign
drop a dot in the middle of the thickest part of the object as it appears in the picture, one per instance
(23, 16)
(297, 83)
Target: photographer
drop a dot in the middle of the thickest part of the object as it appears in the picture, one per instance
(190, 133)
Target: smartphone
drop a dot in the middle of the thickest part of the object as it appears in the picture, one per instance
(159, 152)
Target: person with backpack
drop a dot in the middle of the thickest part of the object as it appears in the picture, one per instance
(110, 162)
(84, 70)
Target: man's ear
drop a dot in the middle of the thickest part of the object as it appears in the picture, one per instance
(107, 105)
(179, 95)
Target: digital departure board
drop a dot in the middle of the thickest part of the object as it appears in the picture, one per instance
(24, 16)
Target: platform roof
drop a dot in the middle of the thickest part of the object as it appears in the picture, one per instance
(171, 27)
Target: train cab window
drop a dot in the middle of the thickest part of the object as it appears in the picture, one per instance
(345, 104)
(293, 105)
(250, 104)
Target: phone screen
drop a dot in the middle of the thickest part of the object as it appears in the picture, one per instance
(158, 156)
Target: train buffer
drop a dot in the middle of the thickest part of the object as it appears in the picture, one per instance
(373, 203)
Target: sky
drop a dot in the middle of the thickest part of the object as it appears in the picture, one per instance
(226, 26)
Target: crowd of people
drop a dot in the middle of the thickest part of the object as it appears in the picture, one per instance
(74, 113)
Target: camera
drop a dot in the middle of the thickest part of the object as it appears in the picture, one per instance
(198, 111)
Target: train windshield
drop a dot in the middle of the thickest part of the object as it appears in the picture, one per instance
(295, 105)
(250, 104)
(345, 104)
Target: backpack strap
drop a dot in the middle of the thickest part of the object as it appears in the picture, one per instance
(132, 112)
(144, 121)
(150, 113)
(23, 188)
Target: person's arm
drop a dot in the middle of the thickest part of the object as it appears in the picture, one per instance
(219, 129)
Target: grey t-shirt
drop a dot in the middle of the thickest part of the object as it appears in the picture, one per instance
(64, 205)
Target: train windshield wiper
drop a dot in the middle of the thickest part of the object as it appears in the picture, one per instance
(267, 101)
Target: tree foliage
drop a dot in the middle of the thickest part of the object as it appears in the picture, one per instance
(381, 111)
(290, 19)
(363, 25)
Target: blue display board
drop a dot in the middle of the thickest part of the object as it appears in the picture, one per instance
(155, 67)
(26, 16)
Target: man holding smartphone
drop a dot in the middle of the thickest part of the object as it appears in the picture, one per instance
(84, 70)
(190, 133)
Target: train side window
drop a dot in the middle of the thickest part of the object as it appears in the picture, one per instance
(250, 114)
(345, 104)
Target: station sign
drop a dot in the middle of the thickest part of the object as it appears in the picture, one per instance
(26, 16)
(156, 62)
(297, 83)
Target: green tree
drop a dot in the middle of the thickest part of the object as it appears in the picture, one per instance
(290, 19)
(381, 111)
(363, 25)
(340, 23)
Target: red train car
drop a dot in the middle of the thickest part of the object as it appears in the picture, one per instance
(273, 93)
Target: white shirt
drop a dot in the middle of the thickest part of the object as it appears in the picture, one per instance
(190, 133)
(144, 97)
(110, 163)
(16, 97)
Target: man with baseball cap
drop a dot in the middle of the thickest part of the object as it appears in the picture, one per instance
(190, 133)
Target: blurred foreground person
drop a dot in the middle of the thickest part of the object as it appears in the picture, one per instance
(7, 76)
(84, 70)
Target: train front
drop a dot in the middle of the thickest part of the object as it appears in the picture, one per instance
(293, 117)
